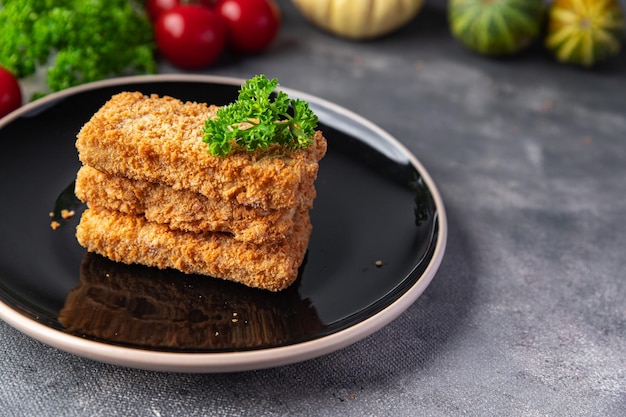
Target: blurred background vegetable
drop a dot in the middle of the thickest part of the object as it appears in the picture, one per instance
(62, 43)
(358, 19)
(76, 41)
(190, 36)
(10, 92)
(193, 34)
(585, 32)
(496, 27)
(252, 24)
(156, 7)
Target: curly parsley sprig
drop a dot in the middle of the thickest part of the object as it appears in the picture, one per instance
(256, 121)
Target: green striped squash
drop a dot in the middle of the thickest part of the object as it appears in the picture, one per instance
(585, 32)
(496, 27)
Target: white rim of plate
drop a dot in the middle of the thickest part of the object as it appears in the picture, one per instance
(242, 360)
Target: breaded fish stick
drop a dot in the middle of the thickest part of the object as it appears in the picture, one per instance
(159, 139)
(131, 239)
(182, 209)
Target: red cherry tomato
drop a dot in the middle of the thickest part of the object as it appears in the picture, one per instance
(10, 92)
(156, 7)
(190, 36)
(252, 24)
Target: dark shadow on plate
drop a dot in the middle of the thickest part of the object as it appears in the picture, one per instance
(140, 306)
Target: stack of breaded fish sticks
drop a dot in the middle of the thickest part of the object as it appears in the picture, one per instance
(156, 196)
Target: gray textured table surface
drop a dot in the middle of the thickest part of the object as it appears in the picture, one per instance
(526, 316)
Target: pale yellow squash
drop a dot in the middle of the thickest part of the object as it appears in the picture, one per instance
(359, 19)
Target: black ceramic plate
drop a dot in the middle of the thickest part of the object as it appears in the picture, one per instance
(379, 236)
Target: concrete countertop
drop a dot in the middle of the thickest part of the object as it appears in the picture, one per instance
(526, 315)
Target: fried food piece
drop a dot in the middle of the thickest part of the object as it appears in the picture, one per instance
(159, 139)
(182, 209)
(132, 239)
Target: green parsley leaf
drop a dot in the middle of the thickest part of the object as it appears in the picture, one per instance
(256, 120)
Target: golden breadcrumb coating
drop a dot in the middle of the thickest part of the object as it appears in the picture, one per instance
(182, 209)
(131, 239)
(157, 197)
(159, 139)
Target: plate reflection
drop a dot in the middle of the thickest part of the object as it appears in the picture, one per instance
(165, 309)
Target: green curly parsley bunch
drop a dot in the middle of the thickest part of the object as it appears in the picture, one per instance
(77, 41)
(257, 120)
